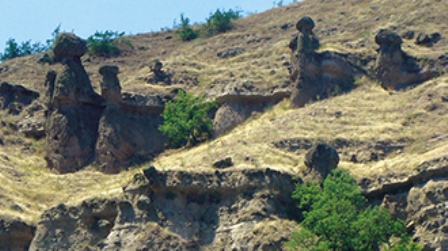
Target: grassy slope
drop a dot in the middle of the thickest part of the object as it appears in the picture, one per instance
(369, 113)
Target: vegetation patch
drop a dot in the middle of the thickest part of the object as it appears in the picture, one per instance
(186, 120)
(337, 217)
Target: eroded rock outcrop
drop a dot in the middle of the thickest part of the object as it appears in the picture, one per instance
(316, 75)
(320, 160)
(236, 105)
(15, 235)
(14, 98)
(178, 210)
(80, 227)
(75, 109)
(158, 76)
(128, 130)
(394, 68)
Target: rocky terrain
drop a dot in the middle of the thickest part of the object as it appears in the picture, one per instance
(83, 166)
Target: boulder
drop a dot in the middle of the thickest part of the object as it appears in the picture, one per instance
(424, 39)
(231, 114)
(15, 97)
(223, 163)
(394, 68)
(15, 234)
(320, 160)
(158, 76)
(316, 75)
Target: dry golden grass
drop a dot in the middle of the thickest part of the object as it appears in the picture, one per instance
(368, 113)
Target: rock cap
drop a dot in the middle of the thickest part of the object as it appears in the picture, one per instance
(306, 23)
(68, 45)
(385, 36)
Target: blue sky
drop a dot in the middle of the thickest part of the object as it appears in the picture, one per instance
(31, 19)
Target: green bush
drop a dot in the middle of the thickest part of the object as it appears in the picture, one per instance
(14, 50)
(186, 120)
(105, 44)
(220, 21)
(185, 31)
(337, 217)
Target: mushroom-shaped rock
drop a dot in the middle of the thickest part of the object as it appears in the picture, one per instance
(306, 23)
(388, 37)
(394, 68)
(68, 45)
(321, 159)
(156, 65)
(110, 85)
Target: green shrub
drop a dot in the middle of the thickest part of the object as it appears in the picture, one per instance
(105, 44)
(220, 21)
(185, 31)
(186, 120)
(14, 50)
(337, 217)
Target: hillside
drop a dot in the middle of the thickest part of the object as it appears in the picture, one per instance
(391, 133)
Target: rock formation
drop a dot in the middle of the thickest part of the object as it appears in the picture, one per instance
(236, 104)
(75, 228)
(158, 75)
(394, 68)
(75, 109)
(128, 131)
(33, 123)
(316, 75)
(15, 97)
(15, 234)
(178, 210)
(320, 160)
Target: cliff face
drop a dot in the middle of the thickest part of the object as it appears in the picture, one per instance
(178, 210)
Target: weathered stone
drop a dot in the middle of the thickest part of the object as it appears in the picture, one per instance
(230, 52)
(15, 97)
(424, 39)
(223, 163)
(110, 86)
(128, 129)
(178, 210)
(75, 228)
(68, 46)
(321, 159)
(316, 75)
(157, 74)
(394, 68)
(70, 137)
(75, 109)
(15, 234)
(126, 137)
(32, 127)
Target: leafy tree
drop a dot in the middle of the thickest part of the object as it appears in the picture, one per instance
(105, 43)
(186, 120)
(185, 31)
(337, 217)
(221, 21)
(14, 49)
